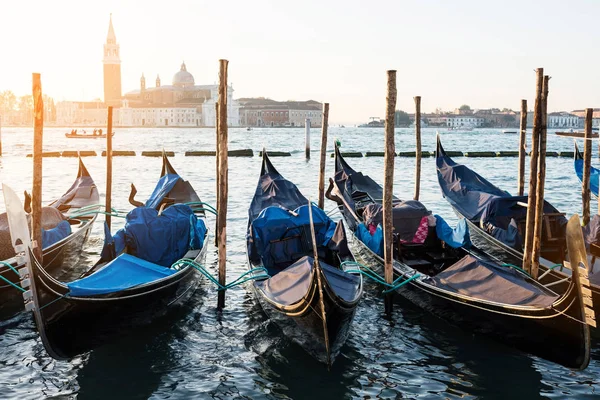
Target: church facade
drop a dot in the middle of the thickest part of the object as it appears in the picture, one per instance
(180, 104)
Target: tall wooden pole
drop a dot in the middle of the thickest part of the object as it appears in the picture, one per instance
(307, 138)
(36, 194)
(522, 147)
(109, 167)
(324, 126)
(388, 184)
(217, 158)
(587, 166)
(531, 201)
(541, 180)
(223, 175)
(418, 151)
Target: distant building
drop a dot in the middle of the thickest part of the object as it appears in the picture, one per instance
(595, 117)
(563, 120)
(464, 121)
(267, 112)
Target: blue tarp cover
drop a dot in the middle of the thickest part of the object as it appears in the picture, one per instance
(373, 242)
(160, 239)
(124, 272)
(457, 237)
(56, 234)
(165, 184)
(275, 224)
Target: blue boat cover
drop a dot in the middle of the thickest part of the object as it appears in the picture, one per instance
(165, 184)
(124, 272)
(373, 242)
(276, 235)
(162, 239)
(56, 234)
(454, 237)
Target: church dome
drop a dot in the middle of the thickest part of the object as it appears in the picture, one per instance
(183, 77)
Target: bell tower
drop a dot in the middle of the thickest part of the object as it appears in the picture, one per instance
(112, 68)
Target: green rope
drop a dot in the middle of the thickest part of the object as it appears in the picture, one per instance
(54, 301)
(555, 266)
(201, 203)
(399, 285)
(10, 266)
(517, 268)
(12, 284)
(83, 214)
(238, 281)
(369, 273)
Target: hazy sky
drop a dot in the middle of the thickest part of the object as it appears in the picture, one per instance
(481, 53)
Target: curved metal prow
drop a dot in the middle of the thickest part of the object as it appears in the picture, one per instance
(167, 168)
(267, 167)
(132, 199)
(578, 155)
(82, 171)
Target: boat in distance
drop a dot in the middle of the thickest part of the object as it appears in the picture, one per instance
(145, 270)
(97, 134)
(304, 290)
(463, 285)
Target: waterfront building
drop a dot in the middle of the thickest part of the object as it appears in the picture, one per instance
(464, 121)
(267, 112)
(595, 117)
(563, 119)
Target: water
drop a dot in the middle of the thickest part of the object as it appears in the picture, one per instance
(197, 352)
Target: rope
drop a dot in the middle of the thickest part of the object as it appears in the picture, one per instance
(201, 203)
(54, 301)
(12, 284)
(10, 266)
(369, 273)
(517, 268)
(238, 281)
(113, 214)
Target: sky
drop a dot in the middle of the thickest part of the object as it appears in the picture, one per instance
(480, 53)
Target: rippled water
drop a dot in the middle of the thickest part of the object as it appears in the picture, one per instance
(200, 353)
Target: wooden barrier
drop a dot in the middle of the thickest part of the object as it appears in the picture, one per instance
(230, 153)
(348, 154)
(48, 154)
(121, 153)
(277, 154)
(157, 153)
(82, 153)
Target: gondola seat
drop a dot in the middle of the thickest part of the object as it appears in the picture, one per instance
(124, 272)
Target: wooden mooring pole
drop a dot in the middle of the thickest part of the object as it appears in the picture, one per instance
(522, 147)
(531, 201)
(418, 149)
(587, 166)
(541, 180)
(307, 138)
(36, 193)
(109, 167)
(223, 183)
(217, 172)
(388, 185)
(324, 126)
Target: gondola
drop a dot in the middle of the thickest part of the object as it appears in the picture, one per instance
(497, 222)
(279, 242)
(594, 172)
(461, 284)
(67, 223)
(138, 278)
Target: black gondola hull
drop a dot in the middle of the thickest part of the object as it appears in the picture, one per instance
(303, 324)
(545, 332)
(506, 254)
(74, 325)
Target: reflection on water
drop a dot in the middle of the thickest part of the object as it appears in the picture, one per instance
(198, 352)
